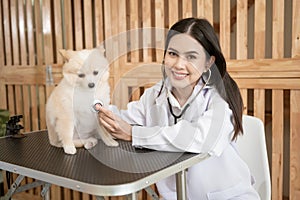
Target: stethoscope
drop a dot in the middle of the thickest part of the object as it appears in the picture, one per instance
(176, 117)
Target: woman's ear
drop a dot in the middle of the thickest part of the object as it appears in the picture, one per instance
(210, 62)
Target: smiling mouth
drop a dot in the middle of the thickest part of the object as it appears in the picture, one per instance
(179, 76)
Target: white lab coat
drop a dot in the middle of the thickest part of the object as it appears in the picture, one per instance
(206, 126)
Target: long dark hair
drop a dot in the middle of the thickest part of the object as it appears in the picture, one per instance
(203, 32)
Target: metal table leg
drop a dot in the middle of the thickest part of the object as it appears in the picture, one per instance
(133, 196)
(13, 188)
(45, 191)
(151, 193)
(16, 188)
(181, 185)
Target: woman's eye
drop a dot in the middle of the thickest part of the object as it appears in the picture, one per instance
(191, 57)
(171, 53)
(95, 73)
(81, 75)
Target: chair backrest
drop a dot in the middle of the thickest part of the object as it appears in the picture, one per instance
(252, 149)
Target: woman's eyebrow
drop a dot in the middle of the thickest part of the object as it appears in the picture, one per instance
(191, 52)
(171, 49)
(188, 52)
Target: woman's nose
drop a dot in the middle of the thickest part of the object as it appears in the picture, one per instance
(180, 62)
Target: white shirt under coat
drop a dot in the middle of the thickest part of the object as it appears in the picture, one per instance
(205, 127)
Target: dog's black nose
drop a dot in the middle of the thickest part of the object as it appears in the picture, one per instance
(91, 85)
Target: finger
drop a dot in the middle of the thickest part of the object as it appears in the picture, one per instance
(122, 136)
(106, 112)
(107, 119)
(107, 125)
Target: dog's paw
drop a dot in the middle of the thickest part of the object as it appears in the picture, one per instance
(90, 143)
(111, 142)
(70, 149)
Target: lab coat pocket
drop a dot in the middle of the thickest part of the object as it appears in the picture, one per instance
(228, 193)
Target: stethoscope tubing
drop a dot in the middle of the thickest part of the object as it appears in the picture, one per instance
(176, 117)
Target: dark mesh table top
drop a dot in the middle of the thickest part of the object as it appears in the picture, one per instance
(125, 167)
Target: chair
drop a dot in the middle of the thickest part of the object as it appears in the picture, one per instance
(252, 149)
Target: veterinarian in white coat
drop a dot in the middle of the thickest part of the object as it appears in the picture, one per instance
(196, 108)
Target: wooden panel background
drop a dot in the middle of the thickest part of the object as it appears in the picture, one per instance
(260, 40)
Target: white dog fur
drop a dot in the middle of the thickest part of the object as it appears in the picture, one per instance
(70, 120)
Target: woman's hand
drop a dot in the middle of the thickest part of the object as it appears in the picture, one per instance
(116, 126)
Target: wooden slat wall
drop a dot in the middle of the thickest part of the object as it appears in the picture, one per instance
(277, 114)
(294, 180)
(267, 70)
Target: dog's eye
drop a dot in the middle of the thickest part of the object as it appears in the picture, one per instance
(81, 75)
(95, 73)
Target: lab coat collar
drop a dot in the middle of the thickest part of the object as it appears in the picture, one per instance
(166, 92)
(162, 98)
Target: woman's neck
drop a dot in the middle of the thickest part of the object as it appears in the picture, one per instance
(182, 95)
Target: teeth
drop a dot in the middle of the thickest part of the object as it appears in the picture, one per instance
(181, 75)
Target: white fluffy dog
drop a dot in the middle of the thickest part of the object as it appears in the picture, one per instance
(70, 120)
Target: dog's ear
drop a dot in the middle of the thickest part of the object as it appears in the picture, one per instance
(66, 54)
(101, 49)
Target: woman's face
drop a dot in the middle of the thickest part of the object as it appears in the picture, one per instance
(185, 61)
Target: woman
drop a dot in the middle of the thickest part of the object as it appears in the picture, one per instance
(197, 107)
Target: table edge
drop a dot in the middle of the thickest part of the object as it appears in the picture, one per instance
(104, 190)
